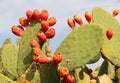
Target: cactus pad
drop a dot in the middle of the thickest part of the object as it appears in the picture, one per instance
(81, 46)
(110, 48)
(25, 51)
(9, 54)
(48, 73)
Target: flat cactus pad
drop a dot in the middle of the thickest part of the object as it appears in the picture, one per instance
(81, 46)
(25, 52)
(8, 55)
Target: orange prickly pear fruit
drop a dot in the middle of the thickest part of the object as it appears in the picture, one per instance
(44, 15)
(57, 58)
(34, 43)
(23, 21)
(50, 33)
(78, 19)
(69, 79)
(52, 21)
(44, 25)
(71, 23)
(42, 59)
(36, 14)
(42, 37)
(17, 30)
(29, 14)
(63, 72)
(37, 51)
(88, 16)
(115, 12)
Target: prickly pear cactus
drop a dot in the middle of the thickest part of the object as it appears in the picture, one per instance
(79, 48)
(30, 61)
(110, 48)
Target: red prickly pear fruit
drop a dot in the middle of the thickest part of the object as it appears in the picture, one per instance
(69, 79)
(50, 33)
(57, 58)
(89, 70)
(23, 22)
(36, 14)
(17, 30)
(115, 12)
(29, 14)
(88, 16)
(71, 23)
(44, 25)
(63, 72)
(37, 51)
(42, 37)
(34, 43)
(109, 34)
(42, 59)
(78, 19)
(44, 15)
(52, 21)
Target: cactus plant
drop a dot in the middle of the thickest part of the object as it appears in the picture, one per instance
(24, 62)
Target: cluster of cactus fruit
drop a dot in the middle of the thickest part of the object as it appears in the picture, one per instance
(31, 60)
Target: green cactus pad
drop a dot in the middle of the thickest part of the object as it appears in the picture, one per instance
(110, 48)
(25, 51)
(48, 73)
(107, 68)
(81, 76)
(9, 58)
(81, 46)
(4, 79)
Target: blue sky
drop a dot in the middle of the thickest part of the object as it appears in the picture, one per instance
(11, 11)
